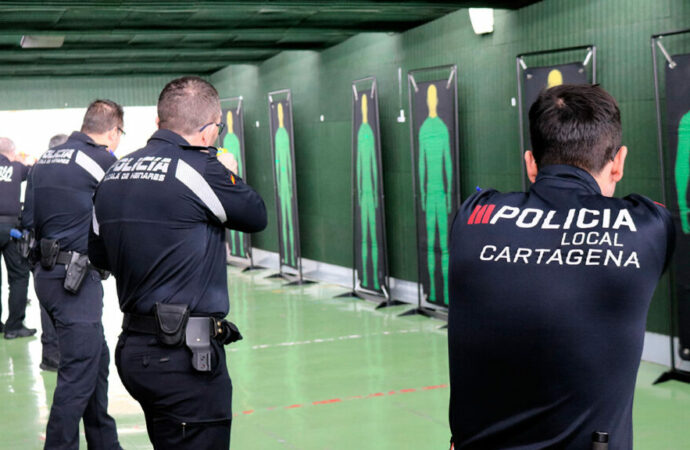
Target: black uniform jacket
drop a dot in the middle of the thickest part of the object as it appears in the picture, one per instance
(548, 304)
(160, 216)
(58, 200)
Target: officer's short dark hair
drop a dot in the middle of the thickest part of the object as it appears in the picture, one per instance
(102, 116)
(575, 124)
(56, 140)
(186, 104)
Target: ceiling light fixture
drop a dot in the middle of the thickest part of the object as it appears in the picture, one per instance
(482, 20)
(42, 41)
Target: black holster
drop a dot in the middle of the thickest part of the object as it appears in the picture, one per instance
(50, 248)
(171, 322)
(26, 243)
(75, 272)
(198, 340)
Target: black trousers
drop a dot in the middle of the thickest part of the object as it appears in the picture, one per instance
(51, 353)
(82, 384)
(17, 277)
(184, 409)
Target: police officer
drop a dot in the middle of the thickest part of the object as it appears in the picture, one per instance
(550, 288)
(159, 224)
(62, 185)
(50, 353)
(12, 173)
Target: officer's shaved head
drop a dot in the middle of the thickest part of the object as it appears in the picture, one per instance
(102, 116)
(7, 147)
(187, 104)
(578, 125)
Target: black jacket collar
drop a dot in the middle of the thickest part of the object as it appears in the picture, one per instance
(564, 175)
(175, 139)
(81, 137)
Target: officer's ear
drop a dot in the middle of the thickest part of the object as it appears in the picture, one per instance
(531, 166)
(158, 122)
(619, 164)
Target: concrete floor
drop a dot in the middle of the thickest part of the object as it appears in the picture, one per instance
(313, 372)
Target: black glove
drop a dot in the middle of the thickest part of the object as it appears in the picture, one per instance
(228, 332)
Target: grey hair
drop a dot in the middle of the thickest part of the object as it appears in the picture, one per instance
(56, 140)
(7, 147)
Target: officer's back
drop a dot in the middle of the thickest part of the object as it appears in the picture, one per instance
(12, 173)
(63, 181)
(161, 213)
(550, 289)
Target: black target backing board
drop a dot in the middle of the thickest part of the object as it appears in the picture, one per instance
(436, 179)
(554, 67)
(678, 156)
(370, 249)
(285, 179)
(231, 140)
(536, 79)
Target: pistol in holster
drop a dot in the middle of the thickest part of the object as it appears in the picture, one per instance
(25, 243)
(76, 264)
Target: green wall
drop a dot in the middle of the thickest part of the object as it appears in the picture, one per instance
(489, 144)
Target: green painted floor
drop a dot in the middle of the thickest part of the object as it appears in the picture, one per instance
(313, 372)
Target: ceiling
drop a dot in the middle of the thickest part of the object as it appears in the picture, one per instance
(193, 37)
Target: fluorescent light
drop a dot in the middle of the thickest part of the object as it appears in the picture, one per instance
(42, 41)
(482, 20)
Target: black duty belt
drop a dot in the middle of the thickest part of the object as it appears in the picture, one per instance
(147, 324)
(64, 258)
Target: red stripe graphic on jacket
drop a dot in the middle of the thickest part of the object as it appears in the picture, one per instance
(473, 215)
(481, 214)
(487, 214)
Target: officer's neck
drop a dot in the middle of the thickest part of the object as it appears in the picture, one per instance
(196, 139)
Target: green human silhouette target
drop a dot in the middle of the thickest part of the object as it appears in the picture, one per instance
(437, 190)
(369, 233)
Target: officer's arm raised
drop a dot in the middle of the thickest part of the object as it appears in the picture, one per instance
(243, 206)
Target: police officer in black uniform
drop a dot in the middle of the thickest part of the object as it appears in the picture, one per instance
(68, 287)
(12, 173)
(50, 353)
(550, 288)
(160, 218)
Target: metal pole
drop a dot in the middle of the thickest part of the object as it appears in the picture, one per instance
(521, 125)
(555, 50)
(594, 64)
(275, 184)
(379, 163)
(352, 188)
(660, 148)
(414, 188)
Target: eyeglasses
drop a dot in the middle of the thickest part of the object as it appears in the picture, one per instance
(220, 126)
(122, 132)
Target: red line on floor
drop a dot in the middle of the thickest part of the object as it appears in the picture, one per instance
(440, 386)
(324, 402)
(340, 400)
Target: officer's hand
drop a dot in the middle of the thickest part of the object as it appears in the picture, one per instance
(229, 161)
